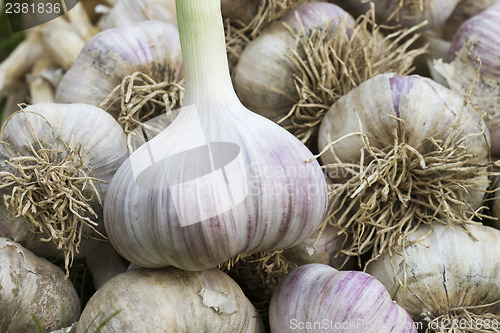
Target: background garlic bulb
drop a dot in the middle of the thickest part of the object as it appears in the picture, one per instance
(449, 275)
(402, 150)
(170, 300)
(263, 77)
(476, 38)
(318, 298)
(127, 12)
(32, 285)
(56, 161)
(169, 205)
(407, 12)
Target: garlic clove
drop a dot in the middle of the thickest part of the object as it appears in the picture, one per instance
(33, 286)
(444, 274)
(317, 297)
(56, 161)
(170, 300)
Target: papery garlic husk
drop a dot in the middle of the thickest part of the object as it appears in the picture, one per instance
(318, 298)
(242, 11)
(407, 13)
(463, 11)
(63, 42)
(263, 77)
(129, 12)
(477, 38)
(402, 151)
(294, 78)
(135, 73)
(56, 162)
(39, 80)
(170, 300)
(447, 276)
(33, 286)
(19, 63)
(167, 206)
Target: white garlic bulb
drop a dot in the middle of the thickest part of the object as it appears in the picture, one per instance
(403, 150)
(128, 12)
(263, 77)
(318, 298)
(32, 285)
(56, 161)
(220, 180)
(446, 275)
(170, 300)
(151, 48)
(408, 13)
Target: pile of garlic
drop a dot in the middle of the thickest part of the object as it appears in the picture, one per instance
(345, 183)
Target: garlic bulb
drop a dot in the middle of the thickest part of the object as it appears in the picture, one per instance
(129, 12)
(170, 300)
(294, 77)
(220, 180)
(263, 77)
(402, 150)
(464, 10)
(56, 161)
(477, 38)
(32, 285)
(449, 277)
(243, 11)
(134, 72)
(408, 13)
(318, 298)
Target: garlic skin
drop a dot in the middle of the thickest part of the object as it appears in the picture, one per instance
(76, 136)
(150, 47)
(272, 198)
(32, 285)
(128, 12)
(318, 298)
(447, 270)
(170, 300)
(408, 13)
(263, 78)
(63, 42)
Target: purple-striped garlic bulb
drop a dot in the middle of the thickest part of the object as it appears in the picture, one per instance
(263, 77)
(477, 43)
(451, 277)
(402, 150)
(220, 180)
(170, 300)
(318, 298)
